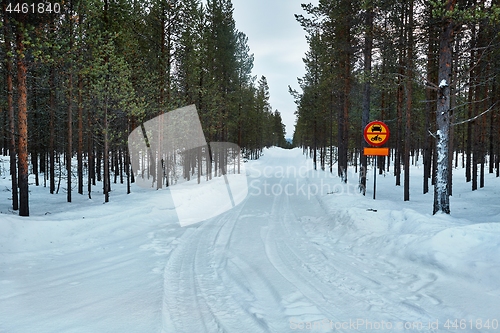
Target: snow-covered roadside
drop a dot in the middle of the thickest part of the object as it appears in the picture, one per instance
(454, 259)
(465, 243)
(84, 266)
(301, 250)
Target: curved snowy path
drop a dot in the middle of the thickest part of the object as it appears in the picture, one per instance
(300, 253)
(273, 265)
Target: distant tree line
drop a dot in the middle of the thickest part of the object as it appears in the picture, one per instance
(80, 76)
(430, 70)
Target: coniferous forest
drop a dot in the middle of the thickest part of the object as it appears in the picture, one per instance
(78, 76)
(428, 69)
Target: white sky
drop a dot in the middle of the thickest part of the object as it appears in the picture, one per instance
(278, 43)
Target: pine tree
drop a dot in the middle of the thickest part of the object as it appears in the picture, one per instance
(10, 105)
(22, 113)
(367, 64)
(441, 194)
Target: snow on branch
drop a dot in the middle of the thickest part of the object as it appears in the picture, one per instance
(474, 118)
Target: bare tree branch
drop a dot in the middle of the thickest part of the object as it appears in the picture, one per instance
(474, 118)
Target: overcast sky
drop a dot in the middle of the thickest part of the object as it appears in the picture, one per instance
(278, 43)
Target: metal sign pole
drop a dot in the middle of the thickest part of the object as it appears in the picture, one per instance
(376, 135)
(375, 178)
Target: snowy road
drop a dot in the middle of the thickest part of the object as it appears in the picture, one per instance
(300, 253)
(275, 264)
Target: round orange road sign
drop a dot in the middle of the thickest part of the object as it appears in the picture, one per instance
(376, 133)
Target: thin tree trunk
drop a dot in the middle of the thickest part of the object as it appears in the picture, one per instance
(470, 96)
(497, 164)
(365, 118)
(10, 111)
(106, 178)
(383, 94)
(315, 148)
(69, 151)
(3, 132)
(346, 106)
(120, 162)
(399, 101)
(22, 110)
(35, 144)
(331, 131)
(127, 170)
(482, 141)
(428, 143)
(409, 97)
(397, 152)
(80, 135)
(453, 104)
(91, 161)
(52, 157)
(491, 137)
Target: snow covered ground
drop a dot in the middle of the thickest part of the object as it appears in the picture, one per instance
(302, 253)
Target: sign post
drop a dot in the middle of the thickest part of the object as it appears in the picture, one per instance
(376, 134)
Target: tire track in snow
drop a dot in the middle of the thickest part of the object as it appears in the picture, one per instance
(298, 269)
(341, 285)
(257, 266)
(195, 296)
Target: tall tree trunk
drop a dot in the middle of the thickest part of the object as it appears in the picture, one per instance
(409, 97)
(397, 151)
(331, 106)
(36, 137)
(482, 123)
(69, 151)
(10, 110)
(4, 133)
(399, 101)
(80, 111)
(453, 104)
(106, 178)
(497, 163)
(52, 106)
(127, 169)
(35, 144)
(365, 117)
(470, 96)
(381, 159)
(491, 138)
(344, 39)
(494, 120)
(91, 160)
(315, 147)
(430, 108)
(346, 107)
(80, 135)
(485, 100)
(441, 194)
(22, 110)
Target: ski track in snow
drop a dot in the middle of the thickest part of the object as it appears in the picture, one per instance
(268, 265)
(273, 260)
